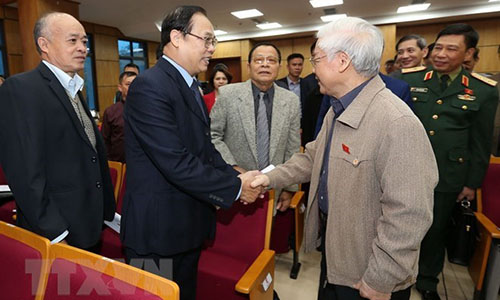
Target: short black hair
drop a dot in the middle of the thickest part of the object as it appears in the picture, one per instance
(471, 36)
(264, 44)
(179, 19)
(126, 74)
(389, 61)
(219, 68)
(132, 65)
(294, 55)
(421, 43)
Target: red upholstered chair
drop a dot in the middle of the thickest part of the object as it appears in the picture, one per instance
(488, 217)
(78, 274)
(238, 263)
(115, 171)
(23, 263)
(111, 245)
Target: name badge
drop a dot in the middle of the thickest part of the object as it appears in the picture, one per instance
(419, 89)
(466, 97)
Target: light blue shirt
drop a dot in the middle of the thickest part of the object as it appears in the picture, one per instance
(189, 81)
(71, 84)
(294, 87)
(188, 78)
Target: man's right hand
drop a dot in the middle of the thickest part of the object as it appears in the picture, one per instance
(249, 194)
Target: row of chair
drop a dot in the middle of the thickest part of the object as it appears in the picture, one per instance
(34, 269)
(239, 263)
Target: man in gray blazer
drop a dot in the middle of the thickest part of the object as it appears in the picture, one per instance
(372, 172)
(250, 132)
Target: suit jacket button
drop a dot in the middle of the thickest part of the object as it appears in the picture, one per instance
(439, 101)
(94, 159)
(98, 185)
(207, 133)
(435, 117)
(414, 99)
(464, 107)
(461, 160)
(432, 132)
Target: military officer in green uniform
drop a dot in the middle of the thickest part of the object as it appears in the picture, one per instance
(457, 108)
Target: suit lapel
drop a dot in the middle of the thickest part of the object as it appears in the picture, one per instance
(246, 109)
(63, 97)
(434, 84)
(277, 121)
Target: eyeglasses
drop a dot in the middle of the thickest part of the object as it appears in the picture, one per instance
(209, 41)
(260, 60)
(315, 60)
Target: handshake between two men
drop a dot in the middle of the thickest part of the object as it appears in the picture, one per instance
(253, 185)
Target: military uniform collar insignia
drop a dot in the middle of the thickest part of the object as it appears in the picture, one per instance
(465, 81)
(428, 75)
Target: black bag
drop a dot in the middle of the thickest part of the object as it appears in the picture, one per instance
(463, 236)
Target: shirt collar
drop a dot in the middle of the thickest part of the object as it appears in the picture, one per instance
(256, 91)
(71, 84)
(452, 75)
(348, 98)
(290, 82)
(188, 78)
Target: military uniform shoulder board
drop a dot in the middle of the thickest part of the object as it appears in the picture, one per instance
(484, 79)
(414, 69)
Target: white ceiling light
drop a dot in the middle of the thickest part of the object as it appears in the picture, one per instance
(329, 18)
(323, 3)
(413, 8)
(158, 25)
(493, 0)
(220, 32)
(245, 14)
(272, 25)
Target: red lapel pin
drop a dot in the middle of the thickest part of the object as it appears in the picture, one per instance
(345, 148)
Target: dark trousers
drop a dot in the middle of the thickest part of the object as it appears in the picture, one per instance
(328, 291)
(181, 268)
(432, 250)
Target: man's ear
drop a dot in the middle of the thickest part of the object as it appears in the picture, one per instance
(469, 54)
(175, 36)
(43, 44)
(345, 61)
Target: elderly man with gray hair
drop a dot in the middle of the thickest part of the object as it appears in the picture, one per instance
(372, 172)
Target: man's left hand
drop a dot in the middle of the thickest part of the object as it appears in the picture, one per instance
(468, 193)
(367, 292)
(284, 200)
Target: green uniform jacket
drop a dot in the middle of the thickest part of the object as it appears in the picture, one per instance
(459, 123)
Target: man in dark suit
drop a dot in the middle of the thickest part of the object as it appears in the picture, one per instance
(175, 177)
(293, 82)
(50, 149)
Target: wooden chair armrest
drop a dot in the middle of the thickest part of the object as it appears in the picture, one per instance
(297, 199)
(488, 225)
(255, 275)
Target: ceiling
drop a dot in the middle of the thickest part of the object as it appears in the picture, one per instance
(136, 19)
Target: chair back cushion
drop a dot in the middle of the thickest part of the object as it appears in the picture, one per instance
(241, 230)
(114, 176)
(70, 280)
(20, 267)
(491, 194)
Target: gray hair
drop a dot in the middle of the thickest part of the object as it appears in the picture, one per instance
(41, 27)
(356, 37)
